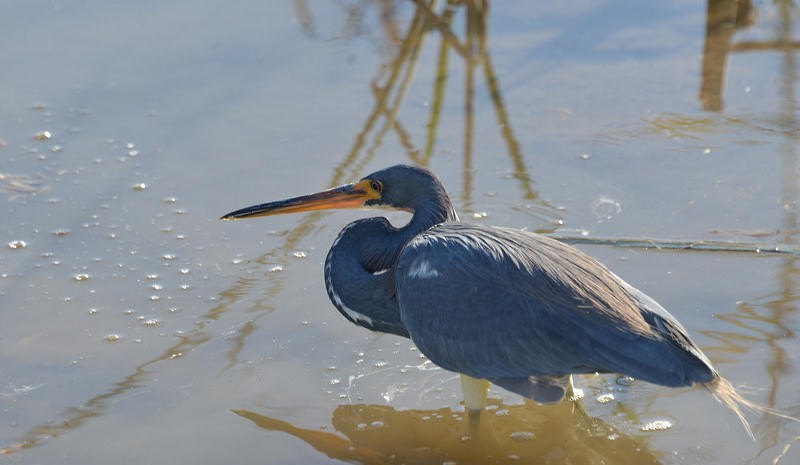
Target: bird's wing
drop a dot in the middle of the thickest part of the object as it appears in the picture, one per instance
(502, 303)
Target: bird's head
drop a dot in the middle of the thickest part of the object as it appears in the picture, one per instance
(400, 187)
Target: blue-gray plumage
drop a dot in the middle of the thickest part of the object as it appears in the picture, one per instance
(519, 309)
(506, 305)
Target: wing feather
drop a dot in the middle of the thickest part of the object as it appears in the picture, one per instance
(502, 303)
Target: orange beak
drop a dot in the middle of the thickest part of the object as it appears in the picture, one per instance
(347, 196)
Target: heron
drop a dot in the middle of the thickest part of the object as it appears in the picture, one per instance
(497, 305)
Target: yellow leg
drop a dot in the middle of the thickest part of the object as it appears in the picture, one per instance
(475, 391)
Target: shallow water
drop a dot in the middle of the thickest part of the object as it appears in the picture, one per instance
(136, 327)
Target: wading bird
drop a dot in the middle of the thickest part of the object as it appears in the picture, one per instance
(499, 305)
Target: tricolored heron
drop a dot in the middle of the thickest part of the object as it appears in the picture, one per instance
(510, 307)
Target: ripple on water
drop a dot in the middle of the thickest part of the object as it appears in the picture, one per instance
(606, 208)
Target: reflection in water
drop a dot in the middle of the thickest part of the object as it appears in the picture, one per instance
(722, 19)
(379, 434)
(769, 322)
(389, 91)
(562, 435)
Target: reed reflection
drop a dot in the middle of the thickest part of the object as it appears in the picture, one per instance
(380, 434)
(389, 90)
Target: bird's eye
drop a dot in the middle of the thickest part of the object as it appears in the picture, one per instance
(376, 186)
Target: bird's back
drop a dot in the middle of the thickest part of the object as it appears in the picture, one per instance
(505, 304)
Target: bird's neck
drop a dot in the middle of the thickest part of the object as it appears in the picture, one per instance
(360, 267)
(433, 208)
(359, 275)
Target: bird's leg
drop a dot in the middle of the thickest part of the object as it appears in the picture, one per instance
(475, 391)
(570, 389)
(575, 399)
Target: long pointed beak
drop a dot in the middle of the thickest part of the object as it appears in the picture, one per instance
(347, 196)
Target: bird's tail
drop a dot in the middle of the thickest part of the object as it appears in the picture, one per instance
(725, 394)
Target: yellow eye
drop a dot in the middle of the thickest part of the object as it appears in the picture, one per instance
(376, 186)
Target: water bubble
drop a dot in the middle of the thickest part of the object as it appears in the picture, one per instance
(479, 215)
(133, 153)
(376, 424)
(605, 398)
(170, 200)
(656, 425)
(60, 232)
(152, 276)
(606, 208)
(577, 393)
(139, 186)
(276, 269)
(184, 271)
(299, 254)
(169, 256)
(43, 135)
(521, 436)
(151, 323)
(17, 245)
(92, 311)
(625, 380)
(81, 277)
(112, 337)
(157, 287)
(130, 145)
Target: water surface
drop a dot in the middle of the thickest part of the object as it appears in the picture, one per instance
(136, 327)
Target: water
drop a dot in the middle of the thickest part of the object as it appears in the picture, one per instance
(136, 327)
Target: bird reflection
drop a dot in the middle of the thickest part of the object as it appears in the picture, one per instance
(379, 434)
